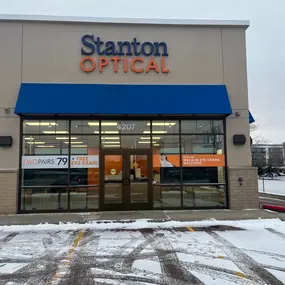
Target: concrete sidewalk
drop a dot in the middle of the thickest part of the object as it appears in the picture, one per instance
(185, 215)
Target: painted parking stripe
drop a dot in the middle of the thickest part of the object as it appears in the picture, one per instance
(64, 264)
(190, 229)
(248, 265)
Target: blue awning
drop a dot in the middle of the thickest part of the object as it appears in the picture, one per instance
(251, 119)
(114, 99)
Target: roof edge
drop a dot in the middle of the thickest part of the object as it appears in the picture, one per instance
(145, 21)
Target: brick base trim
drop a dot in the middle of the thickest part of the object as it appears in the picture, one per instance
(8, 191)
(243, 195)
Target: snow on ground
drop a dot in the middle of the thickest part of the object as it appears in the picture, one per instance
(239, 252)
(273, 186)
(139, 224)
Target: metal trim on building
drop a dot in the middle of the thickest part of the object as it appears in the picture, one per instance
(139, 21)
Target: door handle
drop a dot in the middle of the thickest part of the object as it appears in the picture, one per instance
(126, 181)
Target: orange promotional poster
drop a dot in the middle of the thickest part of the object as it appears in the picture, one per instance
(166, 160)
(203, 160)
(189, 160)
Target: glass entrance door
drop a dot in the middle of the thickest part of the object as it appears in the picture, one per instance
(126, 180)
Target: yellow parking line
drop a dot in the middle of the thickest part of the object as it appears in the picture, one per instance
(190, 229)
(63, 265)
(75, 244)
(240, 274)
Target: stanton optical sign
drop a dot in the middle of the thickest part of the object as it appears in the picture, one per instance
(123, 56)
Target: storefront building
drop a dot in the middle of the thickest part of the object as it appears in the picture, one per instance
(112, 114)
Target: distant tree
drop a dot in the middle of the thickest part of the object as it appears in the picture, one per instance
(253, 127)
(260, 171)
(269, 171)
(257, 139)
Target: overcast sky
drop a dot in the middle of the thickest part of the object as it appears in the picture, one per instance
(265, 40)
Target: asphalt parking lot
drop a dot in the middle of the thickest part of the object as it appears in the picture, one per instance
(185, 255)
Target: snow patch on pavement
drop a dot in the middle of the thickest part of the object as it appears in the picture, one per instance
(147, 265)
(142, 223)
(9, 268)
(278, 274)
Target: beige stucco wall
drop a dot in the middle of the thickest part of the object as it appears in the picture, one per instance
(10, 80)
(50, 52)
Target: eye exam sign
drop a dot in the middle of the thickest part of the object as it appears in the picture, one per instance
(122, 56)
(60, 161)
(189, 160)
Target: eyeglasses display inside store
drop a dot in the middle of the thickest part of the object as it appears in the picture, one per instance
(77, 165)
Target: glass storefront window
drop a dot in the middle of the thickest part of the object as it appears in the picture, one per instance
(202, 126)
(167, 144)
(44, 172)
(166, 196)
(135, 142)
(202, 144)
(46, 127)
(208, 196)
(111, 141)
(203, 159)
(165, 127)
(60, 166)
(84, 144)
(125, 127)
(166, 159)
(203, 175)
(84, 172)
(84, 127)
(45, 145)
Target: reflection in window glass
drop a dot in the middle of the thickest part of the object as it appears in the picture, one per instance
(44, 182)
(45, 127)
(45, 161)
(85, 127)
(112, 141)
(166, 144)
(84, 144)
(166, 159)
(199, 144)
(201, 175)
(113, 174)
(84, 172)
(218, 127)
(84, 197)
(133, 142)
(197, 159)
(202, 126)
(45, 177)
(204, 196)
(44, 198)
(165, 127)
(45, 145)
(166, 196)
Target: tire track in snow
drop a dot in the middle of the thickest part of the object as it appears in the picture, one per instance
(79, 269)
(247, 264)
(6, 239)
(173, 272)
(217, 272)
(135, 254)
(276, 233)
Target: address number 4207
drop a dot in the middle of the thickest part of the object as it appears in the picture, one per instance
(126, 127)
